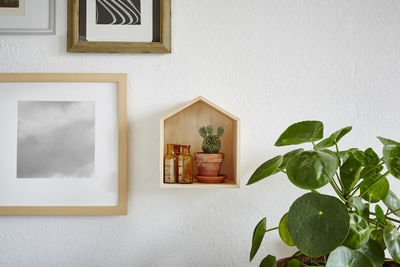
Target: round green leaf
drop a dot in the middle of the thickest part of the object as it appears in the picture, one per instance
(269, 261)
(350, 173)
(391, 156)
(345, 154)
(374, 252)
(318, 223)
(377, 192)
(333, 154)
(370, 171)
(312, 169)
(266, 169)
(393, 203)
(377, 236)
(258, 235)
(289, 155)
(345, 257)
(362, 209)
(392, 242)
(334, 138)
(284, 231)
(301, 132)
(367, 158)
(359, 232)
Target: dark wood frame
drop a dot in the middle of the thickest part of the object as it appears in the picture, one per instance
(74, 44)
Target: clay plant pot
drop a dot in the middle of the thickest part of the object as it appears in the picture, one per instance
(209, 164)
(320, 260)
(302, 259)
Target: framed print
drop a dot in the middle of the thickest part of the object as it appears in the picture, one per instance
(63, 144)
(119, 26)
(27, 16)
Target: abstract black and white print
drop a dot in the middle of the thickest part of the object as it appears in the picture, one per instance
(56, 139)
(118, 12)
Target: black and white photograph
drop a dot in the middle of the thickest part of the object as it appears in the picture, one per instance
(56, 139)
(63, 143)
(12, 8)
(118, 12)
(9, 3)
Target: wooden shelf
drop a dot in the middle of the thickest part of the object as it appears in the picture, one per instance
(181, 127)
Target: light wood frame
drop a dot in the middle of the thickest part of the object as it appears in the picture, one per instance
(45, 31)
(162, 47)
(122, 207)
(181, 127)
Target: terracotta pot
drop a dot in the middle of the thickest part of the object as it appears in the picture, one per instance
(306, 260)
(209, 164)
(302, 259)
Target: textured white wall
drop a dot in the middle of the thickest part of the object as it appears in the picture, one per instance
(271, 63)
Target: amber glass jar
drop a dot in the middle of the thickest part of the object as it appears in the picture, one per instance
(185, 162)
(177, 152)
(170, 163)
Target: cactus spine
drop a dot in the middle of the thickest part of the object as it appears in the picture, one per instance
(211, 143)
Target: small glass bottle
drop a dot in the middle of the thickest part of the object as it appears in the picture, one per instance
(170, 161)
(185, 170)
(177, 152)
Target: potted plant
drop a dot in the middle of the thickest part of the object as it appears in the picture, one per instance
(353, 228)
(209, 162)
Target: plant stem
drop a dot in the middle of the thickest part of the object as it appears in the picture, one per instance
(340, 165)
(313, 261)
(340, 182)
(281, 170)
(376, 223)
(393, 211)
(369, 206)
(376, 181)
(392, 219)
(337, 149)
(355, 189)
(275, 228)
(337, 191)
(337, 187)
(315, 147)
(387, 213)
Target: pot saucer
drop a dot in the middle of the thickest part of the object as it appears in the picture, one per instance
(211, 179)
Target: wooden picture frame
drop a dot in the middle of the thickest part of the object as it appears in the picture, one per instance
(66, 89)
(160, 46)
(32, 13)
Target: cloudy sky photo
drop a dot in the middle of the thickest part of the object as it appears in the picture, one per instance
(56, 139)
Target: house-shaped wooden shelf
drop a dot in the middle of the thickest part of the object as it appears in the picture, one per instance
(181, 127)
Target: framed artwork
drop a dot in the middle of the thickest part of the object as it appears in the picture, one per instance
(119, 26)
(64, 143)
(27, 16)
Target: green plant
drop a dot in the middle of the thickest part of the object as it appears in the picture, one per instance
(350, 229)
(211, 142)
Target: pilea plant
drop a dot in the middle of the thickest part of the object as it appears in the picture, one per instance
(353, 228)
(211, 142)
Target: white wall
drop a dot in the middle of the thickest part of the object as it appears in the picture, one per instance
(271, 63)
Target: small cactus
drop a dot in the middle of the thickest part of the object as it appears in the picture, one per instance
(211, 143)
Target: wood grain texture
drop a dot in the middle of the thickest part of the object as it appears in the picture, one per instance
(122, 207)
(77, 46)
(181, 127)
